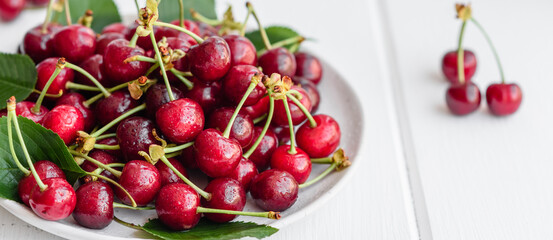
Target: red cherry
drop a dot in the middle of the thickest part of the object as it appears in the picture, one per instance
(45, 69)
(299, 164)
(75, 42)
(449, 66)
(227, 194)
(114, 66)
(38, 45)
(244, 173)
(180, 120)
(282, 133)
(278, 60)
(167, 175)
(105, 39)
(157, 95)
(237, 81)
(134, 135)
(216, 155)
(169, 32)
(94, 208)
(210, 60)
(258, 109)
(23, 109)
(44, 169)
(54, 203)
(10, 9)
(463, 99)
(114, 106)
(114, 28)
(298, 117)
(176, 206)
(309, 67)
(187, 158)
(242, 50)
(77, 100)
(64, 120)
(274, 190)
(503, 99)
(141, 179)
(313, 94)
(206, 30)
(242, 128)
(207, 95)
(262, 154)
(319, 141)
(93, 65)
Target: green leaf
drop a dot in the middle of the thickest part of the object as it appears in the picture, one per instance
(104, 12)
(209, 230)
(42, 144)
(274, 33)
(169, 10)
(17, 77)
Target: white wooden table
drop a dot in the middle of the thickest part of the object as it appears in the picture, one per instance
(426, 174)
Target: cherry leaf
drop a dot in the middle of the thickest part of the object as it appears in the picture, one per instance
(17, 77)
(274, 33)
(169, 10)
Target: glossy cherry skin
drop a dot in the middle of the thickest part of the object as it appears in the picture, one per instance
(38, 45)
(463, 99)
(282, 133)
(242, 129)
(142, 181)
(207, 95)
(242, 50)
(77, 100)
(308, 67)
(103, 157)
(134, 135)
(115, 68)
(105, 39)
(167, 175)
(313, 94)
(94, 207)
(115, 28)
(64, 120)
(237, 81)
(176, 206)
(298, 117)
(227, 194)
(261, 156)
(258, 109)
(56, 202)
(449, 66)
(74, 42)
(180, 120)
(23, 109)
(503, 99)
(210, 60)
(216, 155)
(274, 190)
(278, 60)
(187, 158)
(10, 9)
(298, 165)
(45, 169)
(319, 141)
(114, 106)
(157, 95)
(93, 65)
(244, 173)
(45, 69)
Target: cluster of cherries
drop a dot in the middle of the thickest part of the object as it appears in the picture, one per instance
(218, 107)
(10, 9)
(463, 96)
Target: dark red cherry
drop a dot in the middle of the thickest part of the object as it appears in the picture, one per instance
(463, 99)
(503, 99)
(38, 45)
(157, 95)
(226, 194)
(180, 120)
(115, 28)
(114, 66)
(319, 141)
(262, 154)
(242, 129)
(23, 109)
(111, 141)
(313, 94)
(258, 109)
(282, 133)
(278, 60)
(274, 190)
(141, 179)
(134, 135)
(103, 157)
(10, 9)
(308, 67)
(244, 173)
(44, 169)
(210, 60)
(237, 81)
(75, 43)
(93, 65)
(176, 206)
(94, 208)
(77, 100)
(299, 164)
(208, 95)
(56, 202)
(114, 106)
(216, 155)
(298, 117)
(242, 50)
(167, 175)
(45, 69)
(64, 120)
(449, 65)
(187, 158)
(105, 39)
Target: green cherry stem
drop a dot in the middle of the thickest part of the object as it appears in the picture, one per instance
(184, 74)
(118, 119)
(312, 122)
(60, 93)
(106, 147)
(243, 28)
(132, 42)
(181, 13)
(152, 68)
(178, 148)
(101, 95)
(120, 205)
(202, 18)
(59, 67)
(325, 160)
(270, 214)
(77, 86)
(294, 48)
(116, 173)
(67, 12)
(140, 58)
(184, 30)
(44, 29)
(265, 127)
(109, 135)
(12, 150)
(291, 126)
(133, 203)
(321, 176)
(266, 41)
(174, 154)
(252, 86)
(184, 80)
(162, 66)
(137, 7)
(203, 193)
(488, 39)
(461, 55)
(285, 42)
(127, 224)
(260, 119)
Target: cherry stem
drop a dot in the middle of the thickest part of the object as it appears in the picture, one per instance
(60, 93)
(120, 205)
(260, 119)
(266, 41)
(152, 68)
(203, 193)
(252, 86)
(488, 39)
(137, 7)
(141, 58)
(67, 13)
(116, 173)
(325, 160)
(185, 81)
(178, 148)
(175, 154)
(162, 66)
(118, 119)
(184, 30)
(243, 29)
(133, 203)
(132, 42)
(461, 56)
(44, 29)
(181, 13)
(184, 74)
(294, 47)
(321, 176)
(99, 96)
(291, 126)
(282, 43)
(106, 147)
(115, 165)
(77, 86)
(12, 150)
(265, 127)
(109, 135)
(36, 109)
(127, 224)
(202, 18)
(312, 122)
(270, 214)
